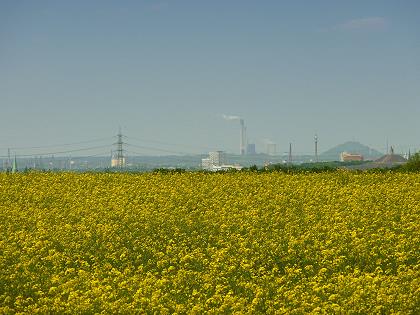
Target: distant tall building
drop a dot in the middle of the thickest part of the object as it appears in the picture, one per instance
(250, 148)
(217, 158)
(216, 161)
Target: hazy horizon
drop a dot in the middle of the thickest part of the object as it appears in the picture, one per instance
(167, 72)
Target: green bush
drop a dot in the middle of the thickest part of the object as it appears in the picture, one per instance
(413, 163)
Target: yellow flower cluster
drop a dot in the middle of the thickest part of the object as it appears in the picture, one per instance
(210, 243)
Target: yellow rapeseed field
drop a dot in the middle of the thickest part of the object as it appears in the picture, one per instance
(200, 243)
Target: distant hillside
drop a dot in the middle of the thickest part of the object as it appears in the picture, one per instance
(351, 147)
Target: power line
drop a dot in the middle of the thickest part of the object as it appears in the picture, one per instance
(134, 153)
(156, 149)
(103, 154)
(58, 145)
(61, 152)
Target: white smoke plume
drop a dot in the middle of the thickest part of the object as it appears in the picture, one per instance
(267, 141)
(230, 117)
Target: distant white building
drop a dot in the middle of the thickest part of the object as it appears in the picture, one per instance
(226, 167)
(217, 158)
(206, 164)
(216, 161)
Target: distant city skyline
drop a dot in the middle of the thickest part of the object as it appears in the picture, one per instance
(167, 71)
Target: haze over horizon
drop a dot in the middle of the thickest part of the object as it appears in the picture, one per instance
(168, 71)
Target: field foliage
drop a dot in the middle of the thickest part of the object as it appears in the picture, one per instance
(199, 243)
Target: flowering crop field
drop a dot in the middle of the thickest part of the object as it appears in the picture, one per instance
(199, 243)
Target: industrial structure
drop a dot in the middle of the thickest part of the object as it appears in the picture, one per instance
(242, 133)
(242, 143)
(118, 160)
(121, 145)
(290, 153)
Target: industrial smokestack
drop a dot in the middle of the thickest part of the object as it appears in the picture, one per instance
(242, 135)
(290, 153)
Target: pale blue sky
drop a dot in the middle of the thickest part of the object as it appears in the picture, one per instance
(167, 70)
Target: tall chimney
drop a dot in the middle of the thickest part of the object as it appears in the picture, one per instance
(290, 152)
(242, 138)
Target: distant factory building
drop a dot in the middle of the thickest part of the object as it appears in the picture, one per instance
(250, 149)
(347, 157)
